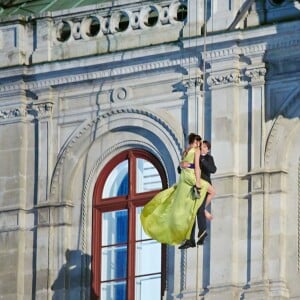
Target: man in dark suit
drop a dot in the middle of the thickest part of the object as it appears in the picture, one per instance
(208, 167)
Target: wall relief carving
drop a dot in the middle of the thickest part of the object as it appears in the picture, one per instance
(224, 79)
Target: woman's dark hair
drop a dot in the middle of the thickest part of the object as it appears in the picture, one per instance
(194, 137)
(207, 143)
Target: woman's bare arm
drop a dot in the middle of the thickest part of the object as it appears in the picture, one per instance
(197, 168)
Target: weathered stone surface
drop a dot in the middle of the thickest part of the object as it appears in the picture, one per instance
(71, 99)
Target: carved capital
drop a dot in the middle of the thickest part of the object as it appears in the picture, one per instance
(13, 112)
(256, 74)
(195, 83)
(223, 79)
(40, 110)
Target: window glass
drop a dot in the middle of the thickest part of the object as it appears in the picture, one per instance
(114, 290)
(147, 176)
(148, 288)
(114, 227)
(140, 233)
(117, 182)
(148, 257)
(147, 265)
(113, 263)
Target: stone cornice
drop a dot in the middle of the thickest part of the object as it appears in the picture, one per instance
(108, 73)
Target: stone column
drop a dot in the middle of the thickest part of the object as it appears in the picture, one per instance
(255, 276)
(195, 18)
(41, 109)
(226, 233)
(195, 109)
(15, 219)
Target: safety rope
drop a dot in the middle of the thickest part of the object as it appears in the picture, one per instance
(203, 95)
(197, 273)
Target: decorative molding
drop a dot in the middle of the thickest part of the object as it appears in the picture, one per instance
(120, 94)
(194, 82)
(283, 112)
(280, 43)
(13, 112)
(256, 74)
(108, 73)
(89, 124)
(251, 50)
(221, 53)
(40, 110)
(43, 109)
(94, 25)
(224, 79)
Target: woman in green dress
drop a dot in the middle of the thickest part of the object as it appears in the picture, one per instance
(170, 215)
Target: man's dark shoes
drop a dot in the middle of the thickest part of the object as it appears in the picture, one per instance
(188, 244)
(202, 238)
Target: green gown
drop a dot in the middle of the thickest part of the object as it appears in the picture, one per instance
(170, 215)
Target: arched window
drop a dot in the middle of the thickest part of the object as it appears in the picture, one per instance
(126, 264)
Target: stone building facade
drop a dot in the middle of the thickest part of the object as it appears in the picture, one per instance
(82, 82)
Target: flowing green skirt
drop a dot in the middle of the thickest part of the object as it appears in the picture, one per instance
(170, 215)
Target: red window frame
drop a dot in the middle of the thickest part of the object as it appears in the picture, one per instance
(130, 202)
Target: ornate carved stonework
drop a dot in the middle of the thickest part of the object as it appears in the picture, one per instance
(39, 110)
(256, 74)
(223, 79)
(96, 25)
(193, 82)
(13, 112)
(120, 94)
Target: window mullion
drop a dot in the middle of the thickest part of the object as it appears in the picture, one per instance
(132, 174)
(131, 251)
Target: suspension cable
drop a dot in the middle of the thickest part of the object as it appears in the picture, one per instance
(203, 95)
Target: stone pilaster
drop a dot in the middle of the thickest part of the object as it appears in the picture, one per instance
(225, 90)
(195, 18)
(195, 109)
(46, 216)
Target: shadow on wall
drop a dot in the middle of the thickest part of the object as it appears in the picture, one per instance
(74, 278)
